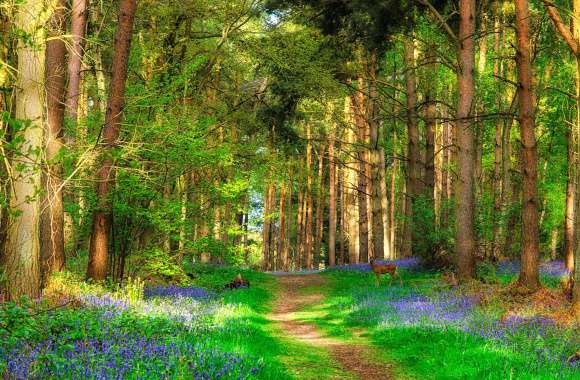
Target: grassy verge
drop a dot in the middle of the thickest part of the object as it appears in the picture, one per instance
(284, 357)
(352, 303)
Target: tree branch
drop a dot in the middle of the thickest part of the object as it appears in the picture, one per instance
(439, 18)
(560, 26)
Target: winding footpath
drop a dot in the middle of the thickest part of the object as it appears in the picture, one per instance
(354, 358)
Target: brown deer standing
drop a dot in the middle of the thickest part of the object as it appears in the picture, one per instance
(380, 269)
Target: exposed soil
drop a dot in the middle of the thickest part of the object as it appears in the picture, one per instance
(354, 358)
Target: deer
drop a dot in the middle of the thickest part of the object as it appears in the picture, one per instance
(380, 269)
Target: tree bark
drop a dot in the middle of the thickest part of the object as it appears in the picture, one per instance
(299, 230)
(465, 234)
(569, 217)
(331, 200)
(497, 200)
(98, 254)
(377, 164)
(286, 251)
(282, 221)
(52, 217)
(363, 219)
(429, 175)
(267, 226)
(575, 266)
(445, 166)
(309, 233)
(78, 26)
(529, 274)
(319, 208)
(349, 184)
(183, 190)
(392, 204)
(21, 259)
(412, 146)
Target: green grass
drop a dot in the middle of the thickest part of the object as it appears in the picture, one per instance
(284, 357)
(423, 352)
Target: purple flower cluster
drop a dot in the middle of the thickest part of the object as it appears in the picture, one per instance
(408, 263)
(555, 268)
(108, 304)
(415, 309)
(177, 291)
(395, 307)
(119, 356)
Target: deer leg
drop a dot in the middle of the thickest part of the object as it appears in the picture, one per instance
(377, 279)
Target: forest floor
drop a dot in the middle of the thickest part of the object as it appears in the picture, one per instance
(335, 324)
(299, 292)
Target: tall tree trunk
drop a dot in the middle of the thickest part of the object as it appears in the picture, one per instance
(497, 200)
(363, 220)
(52, 216)
(267, 226)
(286, 251)
(78, 25)
(350, 184)
(377, 164)
(569, 217)
(183, 193)
(387, 253)
(98, 254)
(529, 275)
(445, 166)
(342, 228)
(319, 208)
(309, 228)
(282, 235)
(331, 200)
(166, 200)
(21, 258)
(412, 146)
(429, 175)
(393, 204)
(299, 229)
(465, 234)
(574, 265)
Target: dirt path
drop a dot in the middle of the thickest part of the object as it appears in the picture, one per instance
(354, 358)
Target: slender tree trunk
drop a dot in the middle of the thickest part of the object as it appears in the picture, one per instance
(78, 26)
(183, 192)
(52, 215)
(331, 200)
(286, 251)
(445, 166)
(309, 232)
(282, 235)
(384, 205)
(98, 254)
(393, 203)
(166, 200)
(342, 221)
(377, 164)
(363, 220)
(350, 185)
(319, 208)
(575, 266)
(429, 175)
(21, 259)
(465, 234)
(267, 226)
(412, 146)
(497, 200)
(529, 275)
(569, 217)
(299, 229)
